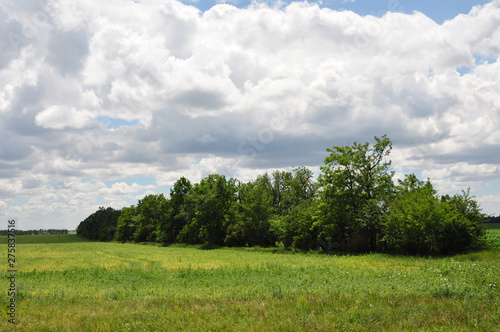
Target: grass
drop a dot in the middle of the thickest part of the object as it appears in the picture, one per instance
(66, 284)
(492, 225)
(493, 237)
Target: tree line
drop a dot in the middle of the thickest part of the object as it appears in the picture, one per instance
(353, 206)
(493, 219)
(36, 232)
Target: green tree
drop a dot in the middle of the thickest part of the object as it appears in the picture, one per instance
(296, 228)
(410, 222)
(151, 214)
(281, 189)
(126, 224)
(293, 227)
(419, 222)
(250, 213)
(101, 225)
(468, 231)
(356, 187)
(303, 185)
(177, 214)
(212, 199)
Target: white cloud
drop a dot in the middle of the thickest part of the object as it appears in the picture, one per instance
(121, 188)
(59, 117)
(489, 204)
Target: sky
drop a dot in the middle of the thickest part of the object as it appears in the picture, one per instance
(102, 103)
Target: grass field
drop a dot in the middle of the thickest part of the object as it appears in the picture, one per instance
(67, 284)
(493, 225)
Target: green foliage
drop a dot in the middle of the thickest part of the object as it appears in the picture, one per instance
(410, 225)
(211, 199)
(126, 224)
(151, 215)
(492, 219)
(468, 231)
(353, 207)
(250, 213)
(357, 185)
(177, 215)
(419, 222)
(296, 228)
(101, 225)
(492, 237)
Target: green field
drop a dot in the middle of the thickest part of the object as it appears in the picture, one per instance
(67, 284)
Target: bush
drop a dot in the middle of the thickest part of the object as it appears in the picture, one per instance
(419, 222)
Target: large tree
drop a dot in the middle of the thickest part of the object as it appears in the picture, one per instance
(126, 224)
(250, 213)
(211, 199)
(294, 220)
(101, 225)
(421, 222)
(151, 214)
(356, 185)
(177, 214)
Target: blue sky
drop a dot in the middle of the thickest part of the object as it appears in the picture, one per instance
(102, 103)
(439, 11)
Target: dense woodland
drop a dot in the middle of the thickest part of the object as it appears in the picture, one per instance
(353, 206)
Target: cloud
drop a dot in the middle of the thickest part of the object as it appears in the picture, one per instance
(121, 188)
(57, 117)
(233, 91)
(489, 203)
(67, 51)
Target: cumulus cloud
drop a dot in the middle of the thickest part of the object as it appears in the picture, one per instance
(59, 117)
(121, 188)
(233, 91)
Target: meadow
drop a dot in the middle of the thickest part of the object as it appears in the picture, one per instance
(65, 283)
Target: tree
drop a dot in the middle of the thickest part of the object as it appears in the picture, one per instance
(293, 226)
(356, 186)
(303, 185)
(250, 214)
(126, 224)
(466, 232)
(409, 224)
(296, 228)
(177, 214)
(151, 214)
(281, 189)
(419, 222)
(101, 225)
(211, 199)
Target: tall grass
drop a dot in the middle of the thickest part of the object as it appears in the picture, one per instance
(93, 286)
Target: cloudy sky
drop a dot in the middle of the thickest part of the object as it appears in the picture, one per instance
(104, 102)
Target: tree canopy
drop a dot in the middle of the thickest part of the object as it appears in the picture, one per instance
(353, 206)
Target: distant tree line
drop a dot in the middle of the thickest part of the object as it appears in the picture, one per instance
(354, 206)
(492, 219)
(37, 232)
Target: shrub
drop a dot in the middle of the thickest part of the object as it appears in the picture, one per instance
(419, 222)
